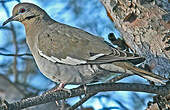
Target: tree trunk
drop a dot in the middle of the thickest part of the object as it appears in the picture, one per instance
(145, 27)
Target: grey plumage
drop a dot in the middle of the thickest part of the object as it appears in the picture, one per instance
(69, 55)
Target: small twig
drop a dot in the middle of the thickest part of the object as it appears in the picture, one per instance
(81, 106)
(84, 99)
(5, 27)
(15, 71)
(5, 8)
(5, 1)
(24, 54)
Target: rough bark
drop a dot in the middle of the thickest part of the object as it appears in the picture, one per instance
(145, 27)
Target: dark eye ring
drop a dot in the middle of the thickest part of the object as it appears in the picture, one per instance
(22, 10)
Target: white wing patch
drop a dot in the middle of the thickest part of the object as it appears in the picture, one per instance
(68, 60)
(72, 61)
(45, 56)
(96, 56)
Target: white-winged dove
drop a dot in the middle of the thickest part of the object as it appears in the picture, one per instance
(69, 55)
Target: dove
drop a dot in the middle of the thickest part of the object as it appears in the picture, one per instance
(68, 55)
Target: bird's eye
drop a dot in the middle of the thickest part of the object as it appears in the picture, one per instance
(22, 10)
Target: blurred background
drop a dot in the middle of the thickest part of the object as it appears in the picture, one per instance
(19, 75)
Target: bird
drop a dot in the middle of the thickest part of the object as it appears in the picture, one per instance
(69, 55)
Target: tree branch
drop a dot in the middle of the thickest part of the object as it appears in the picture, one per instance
(87, 96)
(59, 95)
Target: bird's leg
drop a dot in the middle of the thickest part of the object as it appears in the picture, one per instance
(61, 87)
(85, 89)
(54, 89)
(58, 88)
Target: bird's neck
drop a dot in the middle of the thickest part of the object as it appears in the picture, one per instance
(34, 27)
(33, 23)
(37, 25)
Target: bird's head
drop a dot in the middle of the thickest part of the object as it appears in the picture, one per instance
(25, 11)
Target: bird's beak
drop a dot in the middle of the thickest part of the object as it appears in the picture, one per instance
(12, 18)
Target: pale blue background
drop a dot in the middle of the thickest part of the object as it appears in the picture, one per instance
(88, 15)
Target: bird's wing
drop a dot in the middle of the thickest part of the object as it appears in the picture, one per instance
(65, 44)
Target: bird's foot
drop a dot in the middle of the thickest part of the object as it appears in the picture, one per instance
(61, 87)
(84, 86)
(58, 88)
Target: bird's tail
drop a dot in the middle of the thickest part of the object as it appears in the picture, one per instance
(126, 67)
